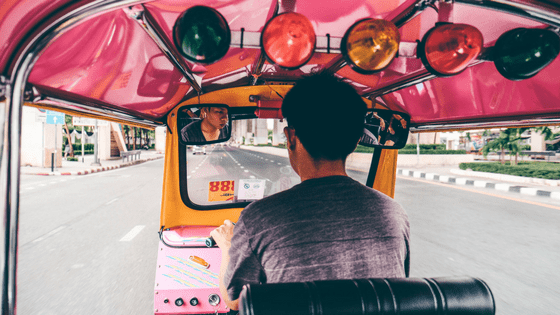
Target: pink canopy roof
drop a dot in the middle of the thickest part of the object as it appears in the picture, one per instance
(108, 61)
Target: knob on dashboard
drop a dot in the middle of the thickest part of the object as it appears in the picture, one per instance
(179, 302)
(214, 299)
(194, 301)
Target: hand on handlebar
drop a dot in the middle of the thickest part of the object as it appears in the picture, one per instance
(222, 235)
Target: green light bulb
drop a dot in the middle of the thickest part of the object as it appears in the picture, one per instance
(202, 34)
(521, 53)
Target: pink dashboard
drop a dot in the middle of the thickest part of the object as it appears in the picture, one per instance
(187, 273)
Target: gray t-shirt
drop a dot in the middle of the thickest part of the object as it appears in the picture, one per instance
(322, 229)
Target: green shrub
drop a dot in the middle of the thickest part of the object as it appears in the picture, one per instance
(86, 152)
(408, 151)
(71, 159)
(525, 169)
(425, 147)
(364, 149)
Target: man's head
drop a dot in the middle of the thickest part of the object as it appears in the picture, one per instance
(327, 116)
(216, 117)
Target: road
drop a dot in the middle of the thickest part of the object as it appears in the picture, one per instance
(88, 244)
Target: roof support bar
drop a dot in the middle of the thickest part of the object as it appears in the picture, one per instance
(147, 22)
(88, 110)
(533, 10)
(259, 63)
(488, 125)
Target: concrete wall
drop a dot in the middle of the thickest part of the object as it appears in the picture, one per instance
(104, 142)
(261, 132)
(278, 132)
(161, 133)
(537, 142)
(424, 137)
(38, 140)
(405, 160)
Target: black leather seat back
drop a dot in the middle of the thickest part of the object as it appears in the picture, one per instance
(437, 296)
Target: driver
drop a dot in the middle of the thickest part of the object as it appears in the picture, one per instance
(213, 126)
(327, 227)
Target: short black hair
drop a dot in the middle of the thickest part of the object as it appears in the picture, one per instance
(327, 115)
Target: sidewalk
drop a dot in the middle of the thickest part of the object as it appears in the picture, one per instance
(79, 168)
(517, 184)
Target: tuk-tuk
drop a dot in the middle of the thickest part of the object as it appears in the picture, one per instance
(420, 66)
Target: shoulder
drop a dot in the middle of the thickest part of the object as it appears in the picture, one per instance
(194, 124)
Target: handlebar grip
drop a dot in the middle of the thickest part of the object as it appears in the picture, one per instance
(210, 242)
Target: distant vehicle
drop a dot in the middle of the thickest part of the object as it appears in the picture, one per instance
(197, 149)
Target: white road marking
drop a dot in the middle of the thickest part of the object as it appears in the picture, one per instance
(52, 182)
(51, 233)
(188, 177)
(193, 172)
(271, 161)
(246, 171)
(110, 202)
(42, 185)
(132, 234)
(252, 176)
(29, 188)
(242, 167)
(279, 163)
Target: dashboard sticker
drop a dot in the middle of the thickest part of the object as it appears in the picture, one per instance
(221, 190)
(251, 189)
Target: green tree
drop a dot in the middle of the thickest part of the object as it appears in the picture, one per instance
(69, 128)
(507, 140)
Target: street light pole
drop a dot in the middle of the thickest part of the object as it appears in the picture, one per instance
(95, 146)
(83, 127)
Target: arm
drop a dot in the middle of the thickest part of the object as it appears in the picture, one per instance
(222, 235)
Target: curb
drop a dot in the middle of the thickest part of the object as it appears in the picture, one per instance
(94, 170)
(479, 183)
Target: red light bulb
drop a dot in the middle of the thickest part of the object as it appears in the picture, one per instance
(288, 40)
(449, 48)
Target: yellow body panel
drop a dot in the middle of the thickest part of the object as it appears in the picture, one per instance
(175, 213)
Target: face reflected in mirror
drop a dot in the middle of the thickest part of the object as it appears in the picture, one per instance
(205, 124)
(385, 128)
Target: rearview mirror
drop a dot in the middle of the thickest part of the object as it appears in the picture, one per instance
(385, 129)
(204, 124)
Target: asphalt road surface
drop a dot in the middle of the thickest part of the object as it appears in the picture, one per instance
(88, 244)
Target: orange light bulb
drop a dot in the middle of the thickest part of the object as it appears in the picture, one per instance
(370, 45)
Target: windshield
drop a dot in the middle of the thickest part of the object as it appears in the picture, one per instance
(254, 164)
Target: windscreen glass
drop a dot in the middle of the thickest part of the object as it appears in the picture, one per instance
(252, 165)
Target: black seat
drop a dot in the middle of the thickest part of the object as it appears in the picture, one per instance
(438, 296)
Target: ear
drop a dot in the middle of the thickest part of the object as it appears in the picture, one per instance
(290, 134)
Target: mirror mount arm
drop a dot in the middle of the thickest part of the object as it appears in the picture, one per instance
(373, 167)
(267, 108)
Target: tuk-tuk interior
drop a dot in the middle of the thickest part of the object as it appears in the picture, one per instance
(450, 65)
